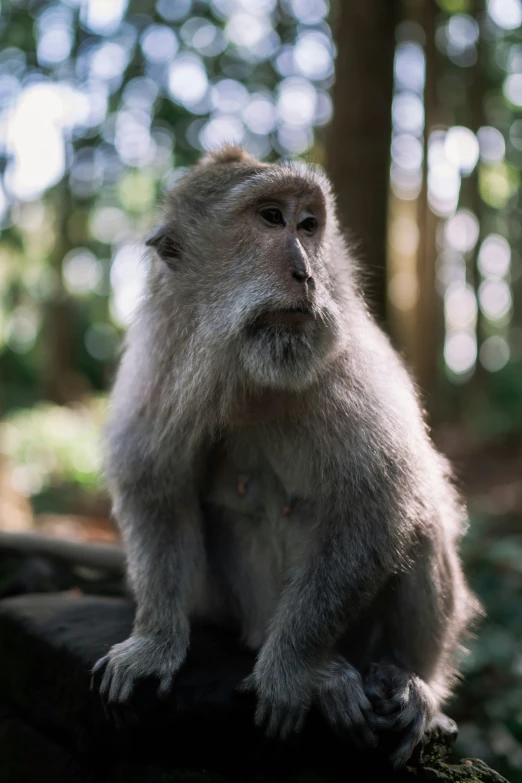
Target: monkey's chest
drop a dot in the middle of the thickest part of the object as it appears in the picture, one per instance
(242, 479)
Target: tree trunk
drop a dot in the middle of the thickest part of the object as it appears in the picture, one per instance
(358, 143)
(430, 325)
(58, 375)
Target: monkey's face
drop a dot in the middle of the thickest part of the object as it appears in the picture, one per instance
(284, 312)
(256, 259)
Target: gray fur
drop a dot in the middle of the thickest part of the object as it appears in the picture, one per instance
(361, 585)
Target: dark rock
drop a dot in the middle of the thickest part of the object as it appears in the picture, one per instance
(204, 731)
(26, 754)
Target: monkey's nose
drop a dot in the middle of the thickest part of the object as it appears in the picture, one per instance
(301, 276)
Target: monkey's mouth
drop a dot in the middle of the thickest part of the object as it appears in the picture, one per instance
(293, 316)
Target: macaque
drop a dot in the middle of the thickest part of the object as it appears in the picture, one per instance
(270, 468)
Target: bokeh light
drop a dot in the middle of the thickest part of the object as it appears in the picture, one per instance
(495, 299)
(491, 144)
(460, 352)
(494, 258)
(82, 272)
(128, 276)
(462, 231)
(461, 147)
(460, 307)
(494, 353)
(507, 14)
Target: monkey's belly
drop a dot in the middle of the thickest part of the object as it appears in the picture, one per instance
(253, 540)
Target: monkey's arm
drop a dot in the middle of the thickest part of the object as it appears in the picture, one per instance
(349, 561)
(427, 609)
(164, 547)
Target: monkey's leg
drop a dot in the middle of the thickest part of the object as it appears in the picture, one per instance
(407, 685)
(166, 567)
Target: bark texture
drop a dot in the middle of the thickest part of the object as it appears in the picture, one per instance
(358, 141)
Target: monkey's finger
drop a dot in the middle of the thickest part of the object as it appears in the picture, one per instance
(106, 711)
(354, 697)
(261, 713)
(355, 725)
(399, 701)
(403, 752)
(364, 703)
(299, 724)
(375, 692)
(287, 725)
(165, 687)
(408, 717)
(100, 663)
(117, 717)
(362, 733)
(105, 684)
(384, 721)
(97, 672)
(292, 723)
(276, 717)
(386, 707)
(126, 690)
(247, 685)
(122, 685)
(359, 730)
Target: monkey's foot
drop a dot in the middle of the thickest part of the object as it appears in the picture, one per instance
(341, 698)
(137, 658)
(402, 702)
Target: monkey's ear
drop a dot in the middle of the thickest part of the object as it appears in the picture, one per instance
(165, 245)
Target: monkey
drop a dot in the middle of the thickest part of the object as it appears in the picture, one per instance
(271, 469)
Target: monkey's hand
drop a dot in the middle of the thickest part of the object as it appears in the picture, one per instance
(403, 703)
(139, 657)
(341, 698)
(284, 692)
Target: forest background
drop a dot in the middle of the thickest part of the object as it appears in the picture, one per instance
(415, 110)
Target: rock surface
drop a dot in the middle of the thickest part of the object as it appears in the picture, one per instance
(53, 727)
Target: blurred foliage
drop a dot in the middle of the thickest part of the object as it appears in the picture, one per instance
(54, 453)
(488, 705)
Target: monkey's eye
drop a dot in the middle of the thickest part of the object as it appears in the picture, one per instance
(309, 225)
(272, 215)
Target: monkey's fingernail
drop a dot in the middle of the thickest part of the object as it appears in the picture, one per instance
(242, 483)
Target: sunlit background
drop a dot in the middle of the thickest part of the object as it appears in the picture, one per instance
(457, 144)
(104, 103)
